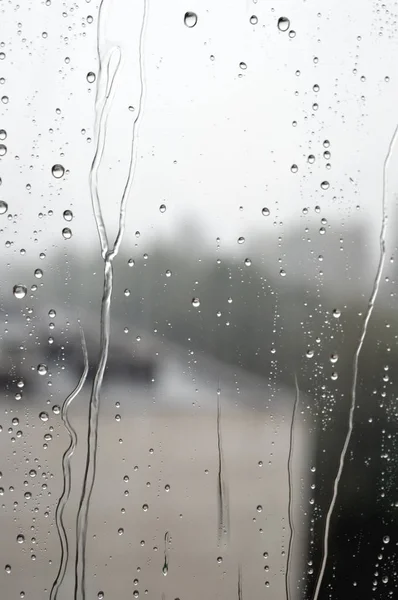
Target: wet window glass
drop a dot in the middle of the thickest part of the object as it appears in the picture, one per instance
(198, 300)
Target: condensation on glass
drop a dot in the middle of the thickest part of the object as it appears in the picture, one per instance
(198, 300)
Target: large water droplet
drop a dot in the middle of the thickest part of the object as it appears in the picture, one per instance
(90, 77)
(190, 19)
(66, 233)
(253, 20)
(19, 291)
(283, 23)
(265, 212)
(325, 185)
(195, 302)
(58, 171)
(3, 149)
(3, 207)
(42, 369)
(68, 215)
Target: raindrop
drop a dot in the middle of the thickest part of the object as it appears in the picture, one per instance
(168, 273)
(19, 291)
(241, 240)
(334, 358)
(190, 19)
(326, 144)
(253, 20)
(243, 66)
(3, 134)
(68, 215)
(259, 508)
(42, 369)
(66, 233)
(127, 293)
(283, 23)
(145, 507)
(325, 185)
(20, 539)
(90, 77)
(386, 539)
(309, 353)
(294, 168)
(38, 273)
(219, 560)
(265, 212)
(8, 569)
(195, 302)
(3, 150)
(131, 262)
(58, 171)
(162, 208)
(311, 159)
(3, 207)
(248, 262)
(336, 313)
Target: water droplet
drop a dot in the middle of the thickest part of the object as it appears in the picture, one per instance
(195, 302)
(90, 77)
(386, 539)
(42, 369)
(58, 171)
(283, 23)
(131, 262)
(7, 569)
(259, 508)
(127, 293)
(167, 487)
(241, 240)
(334, 376)
(253, 20)
(68, 215)
(3, 134)
(145, 507)
(219, 559)
(120, 531)
(309, 353)
(336, 313)
(168, 273)
(66, 233)
(326, 144)
(190, 19)
(19, 291)
(311, 159)
(292, 34)
(3, 149)
(334, 358)
(243, 66)
(265, 212)
(3, 207)
(325, 185)
(20, 539)
(162, 208)
(294, 168)
(38, 273)
(248, 262)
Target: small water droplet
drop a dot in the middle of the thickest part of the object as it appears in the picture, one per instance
(253, 20)
(248, 262)
(243, 66)
(219, 559)
(311, 159)
(3, 149)
(294, 168)
(334, 358)
(90, 77)
(58, 171)
(283, 23)
(68, 215)
(195, 302)
(265, 212)
(3, 134)
(7, 569)
(325, 185)
(386, 539)
(19, 291)
(162, 208)
(168, 273)
(190, 19)
(336, 313)
(20, 538)
(241, 240)
(42, 369)
(145, 507)
(3, 207)
(38, 273)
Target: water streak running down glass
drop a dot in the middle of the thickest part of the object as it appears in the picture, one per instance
(198, 300)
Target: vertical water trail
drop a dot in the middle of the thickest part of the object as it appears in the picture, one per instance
(221, 487)
(371, 303)
(290, 484)
(165, 569)
(66, 471)
(240, 582)
(108, 256)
